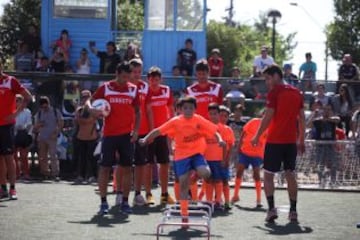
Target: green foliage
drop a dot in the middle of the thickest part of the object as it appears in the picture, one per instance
(17, 16)
(344, 32)
(130, 15)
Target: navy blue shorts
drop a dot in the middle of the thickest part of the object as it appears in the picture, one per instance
(121, 144)
(158, 151)
(7, 139)
(185, 165)
(280, 157)
(216, 170)
(247, 160)
(225, 173)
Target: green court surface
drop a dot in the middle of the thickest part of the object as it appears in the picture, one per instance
(64, 211)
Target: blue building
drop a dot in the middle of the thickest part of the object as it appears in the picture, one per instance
(168, 23)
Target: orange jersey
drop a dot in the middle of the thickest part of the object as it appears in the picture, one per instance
(214, 152)
(249, 132)
(161, 101)
(143, 88)
(230, 137)
(188, 134)
(123, 99)
(212, 93)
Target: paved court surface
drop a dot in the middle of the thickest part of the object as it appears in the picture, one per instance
(64, 211)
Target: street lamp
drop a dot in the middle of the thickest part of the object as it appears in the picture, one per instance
(275, 16)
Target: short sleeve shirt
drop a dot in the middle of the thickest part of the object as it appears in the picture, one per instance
(215, 66)
(261, 63)
(161, 101)
(249, 131)
(144, 98)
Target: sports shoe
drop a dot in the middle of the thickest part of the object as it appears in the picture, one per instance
(293, 216)
(259, 205)
(218, 207)
(271, 215)
(150, 199)
(118, 199)
(227, 206)
(12, 194)
(185, 220)
(4, 194)
(125, 208)
(167, 200)
(139, 200)
(104, 208)
(235, 199)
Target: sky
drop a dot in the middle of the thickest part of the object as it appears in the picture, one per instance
(310, 35)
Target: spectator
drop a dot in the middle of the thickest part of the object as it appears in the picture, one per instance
(64, 43)
(216, 63)
(320, 95)
(307, 72)
(235, 95)
(57, 61)
(24, 60)
(86, 136)
(261, 62)
(348, 71)
(48, 125)
(343, 107)
(177, 82)
(186, 58)
(356, 130)
(108, 59)
(289, 77)
(83, 67)
(132, 51)
(32, 40)
(44, 65)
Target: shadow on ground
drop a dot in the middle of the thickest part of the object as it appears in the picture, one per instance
(181, 234)
(250, 209)
(287, 229)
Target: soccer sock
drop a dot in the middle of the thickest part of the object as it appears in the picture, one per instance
(202, 191)
(194, 191)
(226, 190)
(270, 200)
(177, 190)
(292, 205)
(103, 199)
(237, 187)
(4, 187)
(258, 191)
(184, 205)
(12, 186)
(218, 191)
(209, 191)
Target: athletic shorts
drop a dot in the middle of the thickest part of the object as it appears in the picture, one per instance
(158, 151)
(225, 173)
(121, 144)
(140, 153)
(216, 170)
(247, 160)
(280, 157)
(185, 165)
(7, 139)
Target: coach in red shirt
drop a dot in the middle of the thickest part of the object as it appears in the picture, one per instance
(285, 120)
(216, 63)
(9, 87)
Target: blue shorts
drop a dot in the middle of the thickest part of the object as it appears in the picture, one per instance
(247, 160)
(185, 165)
(225, 173)
(216, 170)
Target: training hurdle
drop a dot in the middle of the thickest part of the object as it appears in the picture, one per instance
(199, 216)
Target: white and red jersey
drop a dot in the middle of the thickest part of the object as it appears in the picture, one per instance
(211, 93)
(143, 89)
(123, 99)
(161, 102)
(9, 87)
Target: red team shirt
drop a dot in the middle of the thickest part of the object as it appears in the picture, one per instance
(143, 88)
(161, 101)
(204, 96)
(9, 87)
(215, 66)
(286, 101)
(122, 98)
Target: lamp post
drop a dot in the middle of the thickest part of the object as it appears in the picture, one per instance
(275, 16)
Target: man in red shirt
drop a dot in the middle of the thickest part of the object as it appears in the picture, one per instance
(216, 63)
(120, 133)
(9, 87)
(285, 120)
(162, 106)
(203, 90)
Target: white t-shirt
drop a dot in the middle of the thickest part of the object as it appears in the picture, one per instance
(261, 63)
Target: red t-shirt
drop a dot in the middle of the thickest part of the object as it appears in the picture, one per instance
(143, 88)
(286, 101)
(215, 66)
(161, 101)
(122, 98)
(212, 93)
(9, 87)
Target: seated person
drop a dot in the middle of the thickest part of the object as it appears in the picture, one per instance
(177, 82)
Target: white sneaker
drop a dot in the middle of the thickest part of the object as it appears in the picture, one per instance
(139, 200)
(118, 199)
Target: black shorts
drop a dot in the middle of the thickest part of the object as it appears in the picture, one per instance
(158, 151)
(280, 157)
(121, 144)
(140, 153)
(7, 139)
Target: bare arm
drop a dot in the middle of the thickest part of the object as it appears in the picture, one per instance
(265, 122)
(137, 123)
(302, 127)
(150, 116)
(150, 136)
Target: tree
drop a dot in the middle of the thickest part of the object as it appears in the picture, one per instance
(17, 16)
(343, 33)
(130, 15)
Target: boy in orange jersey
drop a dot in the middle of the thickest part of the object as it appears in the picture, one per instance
(188, 131)
(250, 155)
